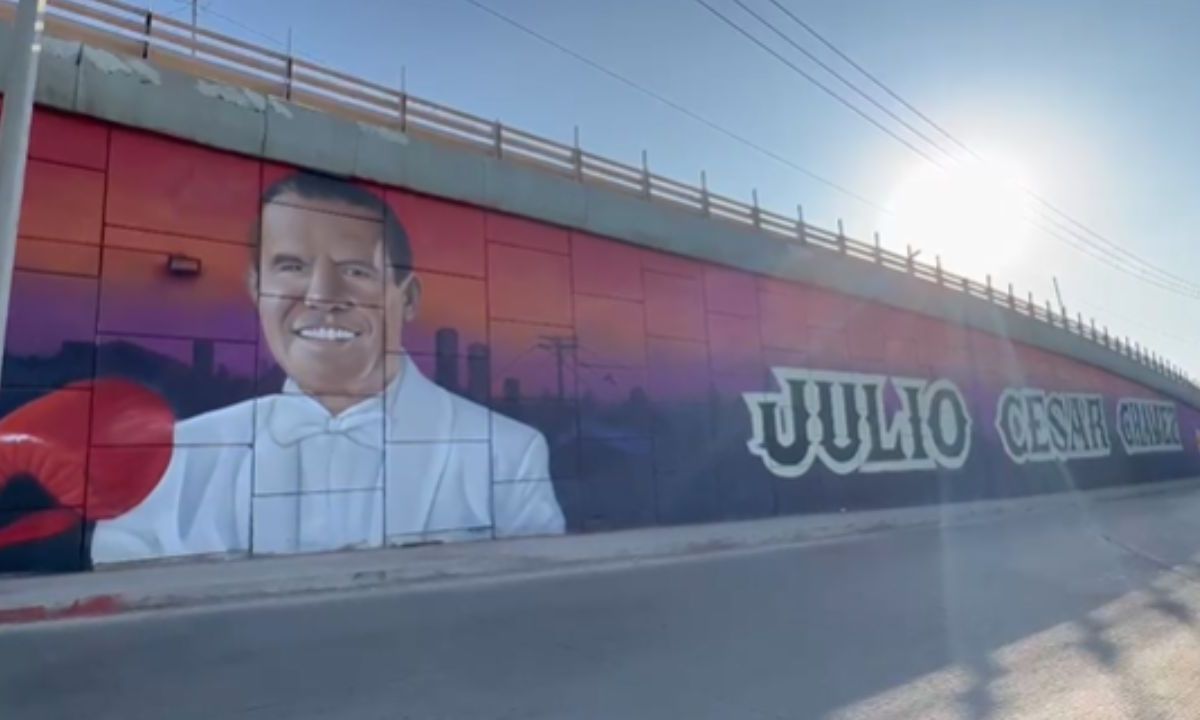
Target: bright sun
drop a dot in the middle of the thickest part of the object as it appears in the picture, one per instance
(974, 215)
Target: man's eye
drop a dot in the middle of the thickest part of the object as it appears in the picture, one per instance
(289, 267)
(359, 273)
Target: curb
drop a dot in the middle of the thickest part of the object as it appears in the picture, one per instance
(192, 582)
(90, 607)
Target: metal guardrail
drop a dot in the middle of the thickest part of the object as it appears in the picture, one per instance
(134, 31)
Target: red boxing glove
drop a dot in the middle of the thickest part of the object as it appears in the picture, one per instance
(133, 430)
(131, 437)
(47, 440)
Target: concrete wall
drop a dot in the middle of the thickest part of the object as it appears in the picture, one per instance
(439, 345)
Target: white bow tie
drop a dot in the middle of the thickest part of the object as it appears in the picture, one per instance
(296, 418)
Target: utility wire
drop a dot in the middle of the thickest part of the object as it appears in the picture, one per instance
(825, 66)
(797, 69)
(281, 44)
(946, 133)
(1113, 246)
(1093, 238)
(182, 6)
(1180, 287)
(1106, 259)
(782, 8)
(741, 139)
(1056, 230)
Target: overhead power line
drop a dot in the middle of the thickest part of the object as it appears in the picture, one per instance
(285, 45)
(182, 6)
(712, 125)
(863, 71)
(825, 66)
(1126, 261)
(807, 76)
(1064, 235)
(1115, 247)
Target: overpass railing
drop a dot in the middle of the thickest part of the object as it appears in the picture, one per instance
(172, 43)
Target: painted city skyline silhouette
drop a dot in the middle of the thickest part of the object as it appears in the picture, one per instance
(204, 384)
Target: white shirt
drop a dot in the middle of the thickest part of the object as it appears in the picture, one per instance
(280, 474)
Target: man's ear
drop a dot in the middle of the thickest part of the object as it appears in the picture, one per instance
(412, 296)
(252, 283)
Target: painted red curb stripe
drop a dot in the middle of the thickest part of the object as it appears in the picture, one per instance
(96, 606)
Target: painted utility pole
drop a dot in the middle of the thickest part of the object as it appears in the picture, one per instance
(14, 140)
(560, 346)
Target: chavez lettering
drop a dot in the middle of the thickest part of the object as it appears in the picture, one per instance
(838, 419)
(1148, 426)
(1038, 426)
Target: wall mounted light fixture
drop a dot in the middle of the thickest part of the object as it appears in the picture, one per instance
(183, 265)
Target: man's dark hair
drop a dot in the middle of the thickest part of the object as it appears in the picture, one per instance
(318, 186)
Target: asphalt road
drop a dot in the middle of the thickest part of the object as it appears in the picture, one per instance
(1088, 613)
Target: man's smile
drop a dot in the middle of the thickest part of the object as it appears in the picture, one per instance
(327, 333)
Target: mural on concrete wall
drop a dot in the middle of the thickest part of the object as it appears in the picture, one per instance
(213, 354)
(357, 445)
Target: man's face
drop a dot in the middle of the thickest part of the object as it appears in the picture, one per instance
(328, 303)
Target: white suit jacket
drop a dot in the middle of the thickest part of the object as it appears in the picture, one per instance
(279, 474)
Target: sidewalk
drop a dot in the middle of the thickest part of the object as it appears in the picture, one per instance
(190, 583)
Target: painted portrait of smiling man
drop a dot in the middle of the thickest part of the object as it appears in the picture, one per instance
(359, 448)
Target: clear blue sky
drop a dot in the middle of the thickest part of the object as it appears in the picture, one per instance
(1095, 99)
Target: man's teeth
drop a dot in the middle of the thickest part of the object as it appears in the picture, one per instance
(327, 333)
